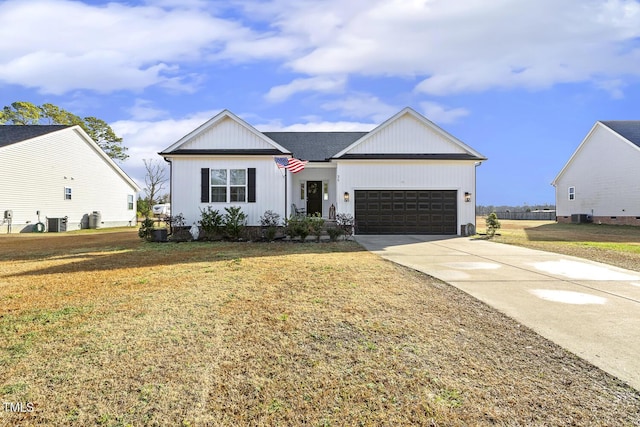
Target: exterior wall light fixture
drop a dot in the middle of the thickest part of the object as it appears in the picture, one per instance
(467, 196)
(346, 196)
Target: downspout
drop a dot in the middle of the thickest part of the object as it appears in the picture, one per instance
(475, 192)
(170, 190)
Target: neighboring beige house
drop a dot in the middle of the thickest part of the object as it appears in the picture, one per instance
(53, 172)
(601, 180)
(406, 176)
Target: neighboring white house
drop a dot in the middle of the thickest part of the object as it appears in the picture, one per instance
(600, 182)
(57, 171)
(406, 176)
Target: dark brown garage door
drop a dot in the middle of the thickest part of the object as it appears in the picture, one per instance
(406, 212)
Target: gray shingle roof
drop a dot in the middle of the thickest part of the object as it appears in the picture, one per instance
(315, 146)
(10, 134)
(629, 129)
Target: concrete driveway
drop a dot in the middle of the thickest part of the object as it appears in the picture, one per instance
(589, 308)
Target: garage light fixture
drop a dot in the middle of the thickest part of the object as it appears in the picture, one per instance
(467, 196)
(346, 196)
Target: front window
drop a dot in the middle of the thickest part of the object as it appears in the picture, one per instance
(572, 193)
(238, 185)
(219, 185)
(67, 193)
(228, 185)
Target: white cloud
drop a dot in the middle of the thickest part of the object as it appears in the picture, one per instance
(146, 138)
(614, 87)
(440, 114)
(446, 47)
(362, 106)
(316, 84)
(143, 110)
(59, 45)
(472, 45)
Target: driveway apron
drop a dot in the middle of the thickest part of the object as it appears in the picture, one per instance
(589, 308)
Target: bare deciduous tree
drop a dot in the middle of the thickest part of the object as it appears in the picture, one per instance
(155, 180)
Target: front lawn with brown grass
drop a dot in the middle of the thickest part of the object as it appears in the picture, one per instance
(617, 245)
(102, 329)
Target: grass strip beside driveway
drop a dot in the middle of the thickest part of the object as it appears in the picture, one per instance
(617, 245)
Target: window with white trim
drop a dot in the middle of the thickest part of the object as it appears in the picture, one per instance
(130, 202)
(218, 185)
(228, 185)
(572, 193)
(67, 193)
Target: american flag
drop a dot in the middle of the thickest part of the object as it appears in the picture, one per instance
(294, 165)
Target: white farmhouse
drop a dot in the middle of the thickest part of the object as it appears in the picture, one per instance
(56, 178)
(406, 176)
(601, 180)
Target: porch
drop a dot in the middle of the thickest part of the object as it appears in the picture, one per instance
(313, 190)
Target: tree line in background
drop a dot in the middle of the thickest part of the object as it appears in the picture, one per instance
(26, 113)
(486, 210)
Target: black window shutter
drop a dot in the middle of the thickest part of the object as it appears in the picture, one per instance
(251, 183)
(204, 185)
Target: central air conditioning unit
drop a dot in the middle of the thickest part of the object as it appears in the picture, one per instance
(57, 225)
(581, 218)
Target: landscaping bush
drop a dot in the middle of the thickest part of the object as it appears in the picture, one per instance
(345, 222)
(211, 222)
(290, 226)
(234, 222)
(146, 229)
(270, 222)
(316, 224)
(334, 233)
(298, 226)
(493, 224)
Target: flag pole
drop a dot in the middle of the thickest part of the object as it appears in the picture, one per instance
(285, 195)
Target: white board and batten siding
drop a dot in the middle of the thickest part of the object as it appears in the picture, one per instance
(406, 135)
(227, 134)
(34, 174)
(456, 175)
(185, 192)
(604, 173)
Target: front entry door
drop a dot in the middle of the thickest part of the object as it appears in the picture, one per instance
(314, 197)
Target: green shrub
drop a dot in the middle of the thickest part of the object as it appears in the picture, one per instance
(234, 222)
(298, 226)
(146, 229)
(290, 226)
(211, 222)
(270, 221)
(493, 224)
(316, 224)
(303, 228)
(334, 233)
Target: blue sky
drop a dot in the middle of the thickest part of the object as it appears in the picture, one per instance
(522, 82)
